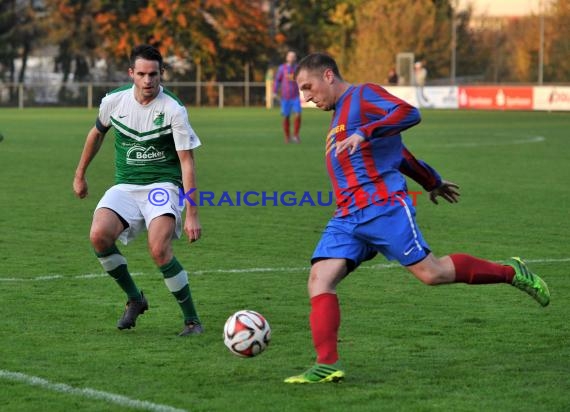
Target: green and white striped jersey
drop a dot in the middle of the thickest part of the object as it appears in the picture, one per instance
(147, 136)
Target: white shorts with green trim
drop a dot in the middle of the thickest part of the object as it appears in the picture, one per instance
(138, 205)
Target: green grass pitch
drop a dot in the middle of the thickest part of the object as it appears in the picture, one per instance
(405, 346)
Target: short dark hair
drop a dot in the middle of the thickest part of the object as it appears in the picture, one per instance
(147, 52)
(318, 62)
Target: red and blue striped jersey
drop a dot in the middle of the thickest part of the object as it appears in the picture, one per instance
(373, 173)
(285, 80)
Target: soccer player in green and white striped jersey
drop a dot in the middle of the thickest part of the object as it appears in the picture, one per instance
(154, 159)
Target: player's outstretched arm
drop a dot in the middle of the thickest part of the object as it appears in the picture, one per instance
(92, 145)
(419, 171)
(448, 190)
(192, 226)
(428, 178)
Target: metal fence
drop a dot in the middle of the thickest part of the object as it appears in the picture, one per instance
(89, 95)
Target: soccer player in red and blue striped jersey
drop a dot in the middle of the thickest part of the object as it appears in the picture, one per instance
(365, 159)
(286, 86)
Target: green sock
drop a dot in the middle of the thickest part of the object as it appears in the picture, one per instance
(176, 280)
(115, 265)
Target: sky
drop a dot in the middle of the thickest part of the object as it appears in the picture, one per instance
(503, 7)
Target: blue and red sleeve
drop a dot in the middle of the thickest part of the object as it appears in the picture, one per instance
(419, 171)
(384, 114)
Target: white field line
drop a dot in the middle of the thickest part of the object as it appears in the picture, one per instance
(244, 270)
(86, 392)
(523, 140)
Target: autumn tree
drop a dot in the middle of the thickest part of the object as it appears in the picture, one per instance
(8, 48)
(557, 60)
(306, 25)
(74, 30)
(218, 35)
(521, 49)
(506, 49)
(343, 16)
(474, 48)
(386, 27)
(241, 30)
(19, 32)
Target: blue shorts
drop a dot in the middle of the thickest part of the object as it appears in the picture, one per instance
(389, 229)
(290, 105)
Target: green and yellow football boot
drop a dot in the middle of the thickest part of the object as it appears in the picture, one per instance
(319, 373)
(529, 282)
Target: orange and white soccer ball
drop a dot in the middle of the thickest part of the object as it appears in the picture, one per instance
(246, 333)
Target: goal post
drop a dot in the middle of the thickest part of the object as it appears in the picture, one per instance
(405, 68)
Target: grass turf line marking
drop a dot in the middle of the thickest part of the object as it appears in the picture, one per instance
(524, 140)
(87, 392)
(248, 270)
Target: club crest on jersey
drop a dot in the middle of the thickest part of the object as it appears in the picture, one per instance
(139, 155)
(158, 118)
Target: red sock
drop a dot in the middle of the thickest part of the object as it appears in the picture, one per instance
(297, 126)
(325, 321)
(286, 128)
(469, 269)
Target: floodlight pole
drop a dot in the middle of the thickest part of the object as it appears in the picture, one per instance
(541, 45)
(453, 44)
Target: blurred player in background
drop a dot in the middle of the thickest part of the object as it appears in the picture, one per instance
(420, 77)
(154, 145)
(392, 78)
(286, 87)
(365, 157)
